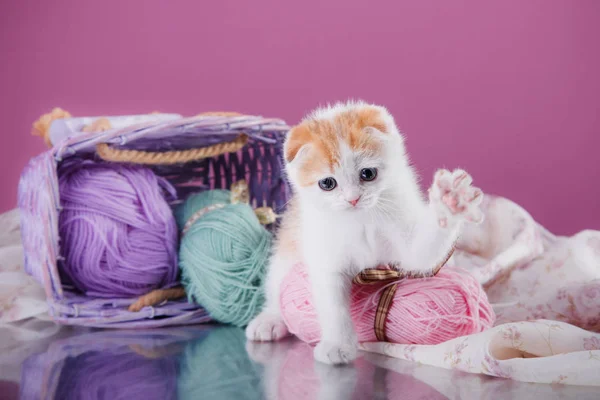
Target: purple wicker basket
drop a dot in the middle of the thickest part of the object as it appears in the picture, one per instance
(256, 144)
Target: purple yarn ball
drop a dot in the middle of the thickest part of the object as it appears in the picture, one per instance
(118, 234)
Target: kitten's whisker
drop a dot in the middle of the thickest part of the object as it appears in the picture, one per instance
(389, 211)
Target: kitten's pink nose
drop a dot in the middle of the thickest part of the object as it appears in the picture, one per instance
(354, 202)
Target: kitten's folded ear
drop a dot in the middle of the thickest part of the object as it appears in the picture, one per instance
(380, 124)
(376, 118)
(296, 142)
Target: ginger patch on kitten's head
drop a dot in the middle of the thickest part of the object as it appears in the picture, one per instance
(321, 135)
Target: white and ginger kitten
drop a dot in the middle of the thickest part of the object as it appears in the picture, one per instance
(357, 205)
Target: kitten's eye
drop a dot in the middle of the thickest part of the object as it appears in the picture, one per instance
(327, 184)
(368, 174)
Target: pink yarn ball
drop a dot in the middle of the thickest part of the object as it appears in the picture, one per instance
(424, 311)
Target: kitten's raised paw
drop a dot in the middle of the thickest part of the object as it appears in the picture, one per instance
(266, 327)
(335, 353)
(454, 198)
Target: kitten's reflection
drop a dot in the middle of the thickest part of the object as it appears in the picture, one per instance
(291, 373)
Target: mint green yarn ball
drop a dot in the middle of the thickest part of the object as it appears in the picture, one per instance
(223, 257)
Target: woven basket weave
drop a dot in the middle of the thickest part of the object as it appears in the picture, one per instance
(167, 148)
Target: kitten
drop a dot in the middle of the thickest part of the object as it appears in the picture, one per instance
(356, 204)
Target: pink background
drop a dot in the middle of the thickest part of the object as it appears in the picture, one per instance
(509, 90)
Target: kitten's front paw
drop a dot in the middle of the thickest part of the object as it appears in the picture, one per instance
(454, 199)
(266, 327)
(335, 353)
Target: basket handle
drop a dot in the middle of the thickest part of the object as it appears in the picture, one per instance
(112, 154)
